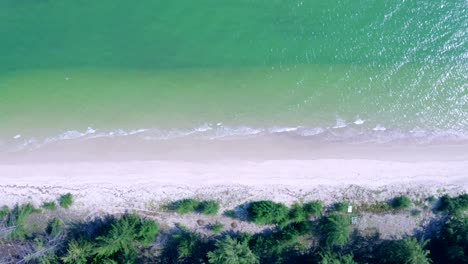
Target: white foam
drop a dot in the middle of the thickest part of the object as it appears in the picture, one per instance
(225, 132)
(203, 128)
(340, 123)
(359, 121)
(379, 128)
(90, 130)
(282, 129)
(312, 132)
(17, 136)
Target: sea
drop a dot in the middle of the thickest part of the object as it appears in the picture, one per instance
(75, 73)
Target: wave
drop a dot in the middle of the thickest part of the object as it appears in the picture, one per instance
(353, 133)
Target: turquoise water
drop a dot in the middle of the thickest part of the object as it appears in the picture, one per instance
(155, 70)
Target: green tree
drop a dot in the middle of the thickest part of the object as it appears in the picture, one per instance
(314, 207)
(184, 247)
(451, 245)
(232, 251)
(17, 217)
(268, 212)
(335, 229)
(328, 257)
(120, 243)
(148, 231)
(404, 251)
(453, 205)
(78, 252)
(55, 227)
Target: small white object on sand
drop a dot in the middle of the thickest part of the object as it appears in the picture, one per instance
(17, 136)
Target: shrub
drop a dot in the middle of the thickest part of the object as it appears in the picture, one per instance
(453, 205)
(186, 206)
(377, 208)
(314, 207)
(217, 228)
(431, 199)
(4, 212)
(340, 207)
(230, 250)
(335, 229)
(55, 227)
(49, 206)
(415, 212)
(209, 207)
(408, 251)
(297, 213)
(268, 212)
(230, 213)
(400, 202)
(66, 200)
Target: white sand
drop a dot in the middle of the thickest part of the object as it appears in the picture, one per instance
(113, 186)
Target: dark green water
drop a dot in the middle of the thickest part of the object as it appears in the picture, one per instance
(342, 68)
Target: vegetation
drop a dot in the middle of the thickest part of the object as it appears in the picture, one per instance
(340, 207)
(118, 242)
(451, 245)
(297, 213)
(16, 218)
(335, 229)
(55, 227)
(268, 212)
(66, 200)
(230, 213)
(314, 208)
(209, 207)
(376, 208)
(453, 205)
(329, 257)
(408, 251)
(231, 251)
(401, 202)
(49, 206)
(431, 199)
(186, 206)
(217, 228)
(4, 212)
(296, 238)
(415, 213)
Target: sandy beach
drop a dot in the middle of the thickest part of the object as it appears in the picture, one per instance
(113, 186)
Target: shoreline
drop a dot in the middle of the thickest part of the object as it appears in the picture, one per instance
(253, 149)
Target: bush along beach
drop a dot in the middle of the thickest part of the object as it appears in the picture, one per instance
(304, 232)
